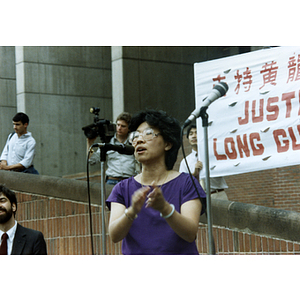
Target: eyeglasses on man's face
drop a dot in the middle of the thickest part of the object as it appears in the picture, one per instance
(148, 135)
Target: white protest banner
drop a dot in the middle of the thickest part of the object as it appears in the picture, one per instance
(256, 125)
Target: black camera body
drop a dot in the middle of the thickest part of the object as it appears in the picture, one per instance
(102, 128)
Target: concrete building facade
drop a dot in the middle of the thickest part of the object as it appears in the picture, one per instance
(56, 86)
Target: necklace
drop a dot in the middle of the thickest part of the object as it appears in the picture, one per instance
(159, 185)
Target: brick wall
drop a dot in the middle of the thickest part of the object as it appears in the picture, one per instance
(277, 188)
(65, 225)
(234, 242)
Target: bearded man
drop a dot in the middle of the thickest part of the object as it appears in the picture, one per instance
(16, 239)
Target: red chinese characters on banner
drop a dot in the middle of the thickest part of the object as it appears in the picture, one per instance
(294, 69)
(269, 73)
(247, 80)
(219, 78)
(238, 77)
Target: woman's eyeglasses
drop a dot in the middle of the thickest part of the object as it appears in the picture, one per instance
(148, 135)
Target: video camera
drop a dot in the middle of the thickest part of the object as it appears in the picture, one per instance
(102, 128)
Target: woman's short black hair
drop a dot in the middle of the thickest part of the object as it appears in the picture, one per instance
(168, 126)
(9, 194)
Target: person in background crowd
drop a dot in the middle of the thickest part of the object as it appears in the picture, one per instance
(217, 184)
(119, 166)
(14, 238)
(19, 150)
(158, 210)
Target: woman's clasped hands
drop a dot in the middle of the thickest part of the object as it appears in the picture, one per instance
(151, 195)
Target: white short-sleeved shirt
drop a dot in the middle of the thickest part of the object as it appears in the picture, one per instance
(19, 150)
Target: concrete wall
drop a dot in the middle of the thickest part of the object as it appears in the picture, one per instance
(8, 101)
(279, 223)
(56, 86)
(159, 77)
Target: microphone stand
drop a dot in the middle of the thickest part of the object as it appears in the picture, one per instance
(204, 117)
(103, 151)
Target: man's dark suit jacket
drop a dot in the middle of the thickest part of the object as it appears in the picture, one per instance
(28, 241)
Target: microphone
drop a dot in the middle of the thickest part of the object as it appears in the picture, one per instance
(122, 149)
(219, 90)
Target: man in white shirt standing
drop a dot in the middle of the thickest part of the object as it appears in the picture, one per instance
(19, 150)
(217, 184)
